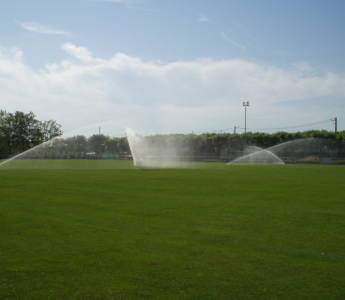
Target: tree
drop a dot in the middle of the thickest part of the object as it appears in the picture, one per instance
(20, 131)
(50, 129)
(97, 143)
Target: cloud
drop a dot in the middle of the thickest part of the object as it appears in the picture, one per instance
(179, 96)
(303, 67)
(227, 38)
(203, 19)
(41, 28)
(80, 53)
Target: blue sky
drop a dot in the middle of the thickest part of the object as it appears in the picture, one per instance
(220, 48)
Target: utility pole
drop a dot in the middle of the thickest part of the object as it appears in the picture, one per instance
(235, 127)
(245, 105)
(335, 125)
(99, 130)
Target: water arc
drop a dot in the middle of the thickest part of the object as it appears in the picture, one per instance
(257, 155)
(84, 147)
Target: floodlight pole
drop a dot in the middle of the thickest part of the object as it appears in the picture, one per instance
(245, 105)
(335, 125)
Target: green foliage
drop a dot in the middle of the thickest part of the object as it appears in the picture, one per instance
(20, 131)
(341, 136)
(226, 145)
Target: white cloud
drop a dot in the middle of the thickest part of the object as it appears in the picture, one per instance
(227, 38)
(41, 28)
(303, 67)
(203, 19)
(157, 97)
(80, 53)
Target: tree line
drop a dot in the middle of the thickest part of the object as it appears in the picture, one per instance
(20, 131)
(202, 147)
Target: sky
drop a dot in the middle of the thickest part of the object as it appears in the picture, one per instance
(175, 66)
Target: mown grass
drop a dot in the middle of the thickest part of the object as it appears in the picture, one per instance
(231, 232)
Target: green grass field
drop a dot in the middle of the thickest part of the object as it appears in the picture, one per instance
(226, 232)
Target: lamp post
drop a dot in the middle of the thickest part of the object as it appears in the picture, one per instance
(245, 105)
